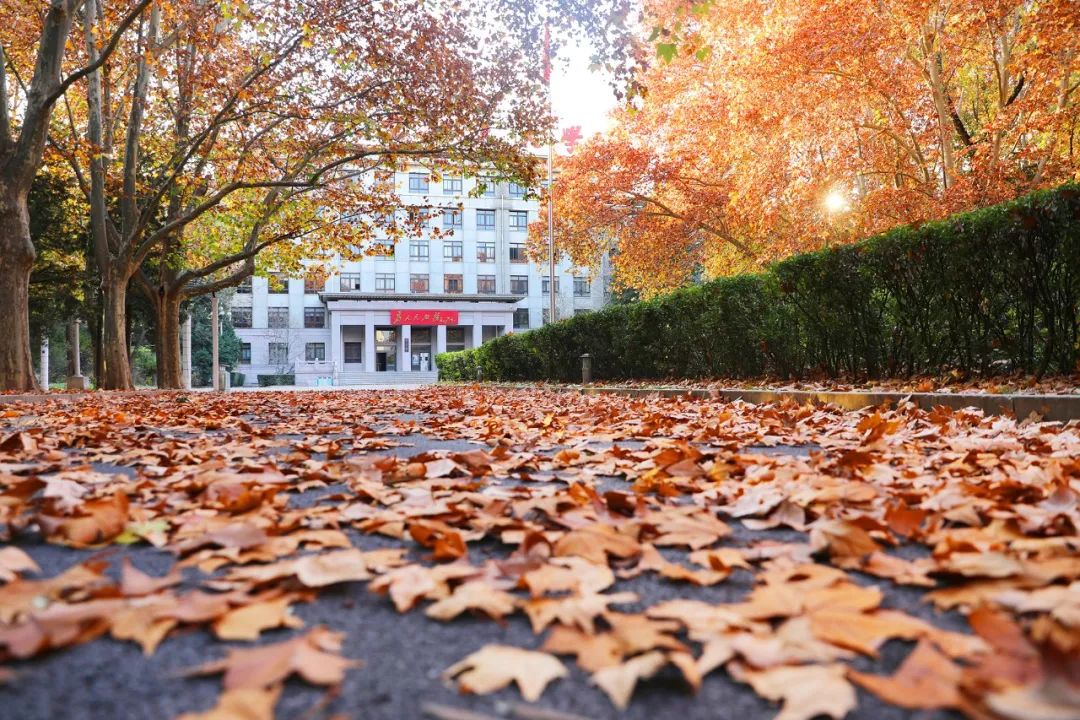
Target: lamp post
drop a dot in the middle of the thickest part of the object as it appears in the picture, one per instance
(215, 364)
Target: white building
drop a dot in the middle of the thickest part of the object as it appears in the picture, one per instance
(383, 319)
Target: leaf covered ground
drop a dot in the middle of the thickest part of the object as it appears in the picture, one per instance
(377, 554)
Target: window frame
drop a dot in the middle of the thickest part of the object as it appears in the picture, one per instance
(517, 215)
(312, 311)
(347, 278)
(488, 281)
(485, 251)
(448, 277)
(270, 346)
(381, 282)
(310, 356)
(519, 281)
(448, 250)
(414, 277)
(415, 186)
(485, 213)
(517, 254)
(244, 310)
(453, 185)
(519, 313)
(276, 312)
(245, 353)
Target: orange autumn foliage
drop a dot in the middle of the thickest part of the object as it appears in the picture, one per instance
(769, 128)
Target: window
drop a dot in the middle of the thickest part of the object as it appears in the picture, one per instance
(419, 283)
(521, 319)
(314, 317)
(418, 183)
(383, 248)
(278, 283)
(519, 219)
(516, 190)
(581, 287)
(485, 283)
(485, 251)
(485, 219)
(244, 288)
(245, 352)
(453, 250)
(354, 352)
(419, 250)
(451, 219)
(489, 187)
(277, 317)
(455, 339)
(241, 317)
(314, 283)
(315, 352)
(545, 286)
(452, 283)
(350, 282)
(517, 253)
(451, 185)
(279, 353)
(545, 316)
(519, 284)
(384, 282)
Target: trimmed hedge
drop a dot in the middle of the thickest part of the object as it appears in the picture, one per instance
(987, 292)
(272, 380)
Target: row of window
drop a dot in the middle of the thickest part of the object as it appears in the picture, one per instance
(278, 352)
(421, 183)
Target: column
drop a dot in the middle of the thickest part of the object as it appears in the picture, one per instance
(477, 334)
(405, 364)
(335, 344)
(440, 340)
(76, 381)
(44, 362)
(185, 357)
(369, 343)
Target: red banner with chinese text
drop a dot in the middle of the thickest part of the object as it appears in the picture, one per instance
(423, 317)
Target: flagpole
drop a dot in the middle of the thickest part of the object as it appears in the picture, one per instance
(552, 295)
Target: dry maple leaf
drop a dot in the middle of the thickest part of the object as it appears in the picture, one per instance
(926, 680)
(97, 522)
(578, 610)
(807, 691)
(247, 621)
(241, 704)
(493, 667)
(14, 561)
(619, 681)
(313, 656)
(474, 595)
(595, 542)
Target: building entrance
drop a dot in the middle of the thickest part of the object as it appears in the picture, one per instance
(386, 349)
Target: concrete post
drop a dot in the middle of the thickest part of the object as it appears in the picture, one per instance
(215, 367)
(406, 349)
(586, 369)
(477, 335)
(77, 381)
(185, 356)
(369, 343)
(44, 363)
(440, 340)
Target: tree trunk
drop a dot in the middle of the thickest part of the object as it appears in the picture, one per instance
(116, 370)
(16, 261)
(168, 342)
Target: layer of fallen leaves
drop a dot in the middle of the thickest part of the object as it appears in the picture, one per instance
(579, 493)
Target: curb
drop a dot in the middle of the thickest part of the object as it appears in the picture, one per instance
(1059, 408)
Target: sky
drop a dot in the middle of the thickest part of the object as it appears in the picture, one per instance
(580, 96)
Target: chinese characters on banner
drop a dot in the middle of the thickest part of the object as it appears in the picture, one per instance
(423, 317)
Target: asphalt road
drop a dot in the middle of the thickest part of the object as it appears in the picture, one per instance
(403, 654)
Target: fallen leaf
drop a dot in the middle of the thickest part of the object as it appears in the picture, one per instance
(493, 667)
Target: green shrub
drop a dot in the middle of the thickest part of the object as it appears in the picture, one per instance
(992, 291)
(270, 380)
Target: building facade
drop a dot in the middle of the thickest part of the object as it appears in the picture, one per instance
(383, 319)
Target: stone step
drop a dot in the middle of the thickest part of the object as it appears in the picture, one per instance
(386, 378)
